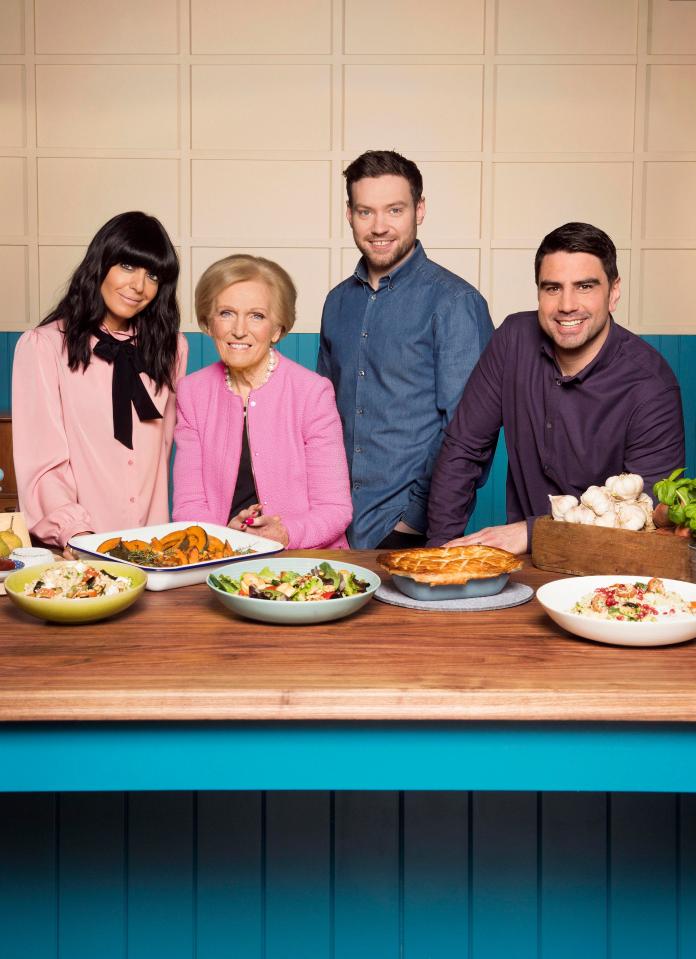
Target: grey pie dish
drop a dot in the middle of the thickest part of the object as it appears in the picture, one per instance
(488, 586)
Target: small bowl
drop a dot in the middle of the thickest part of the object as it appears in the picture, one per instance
(75, 610)
(32, 555)
(293, 614)
(489, 586)
(4, 573)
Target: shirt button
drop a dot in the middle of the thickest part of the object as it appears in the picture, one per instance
(356, 485)
(252, 402)
(132, 499)
(548, 426)
(361, 372)
(358, 449)
(130, 462)
(374, 296)
(546, 467)
(363, 333)
(558, 382)
(360, 411)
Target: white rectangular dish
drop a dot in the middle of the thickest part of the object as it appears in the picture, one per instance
(172, 577)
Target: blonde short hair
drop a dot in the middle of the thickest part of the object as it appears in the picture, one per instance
(239, 268)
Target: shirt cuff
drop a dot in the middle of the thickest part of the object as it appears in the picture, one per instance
(415, 517)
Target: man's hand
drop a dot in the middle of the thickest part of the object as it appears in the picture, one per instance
(512, 537)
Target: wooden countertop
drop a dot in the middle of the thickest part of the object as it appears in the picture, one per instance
(179, 655)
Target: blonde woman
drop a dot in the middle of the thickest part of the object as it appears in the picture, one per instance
(258, 437)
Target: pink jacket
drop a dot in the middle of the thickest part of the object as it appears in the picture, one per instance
(296, 447)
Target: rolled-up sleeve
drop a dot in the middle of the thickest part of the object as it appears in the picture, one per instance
(469, 443)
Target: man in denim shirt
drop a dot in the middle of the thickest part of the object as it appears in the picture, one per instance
(399, 339)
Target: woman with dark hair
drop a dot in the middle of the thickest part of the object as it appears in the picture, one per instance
(84, 462)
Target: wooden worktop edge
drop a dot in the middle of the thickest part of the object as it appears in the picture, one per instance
(375, 704)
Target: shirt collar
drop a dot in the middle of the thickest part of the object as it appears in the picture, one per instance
(604, 358)
(399, 275)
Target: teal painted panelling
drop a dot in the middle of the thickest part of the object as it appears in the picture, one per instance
(573, 868)
(8, 341)
(92, 866)
(435, 857)
(297, 874)
(29, 913)
(504, 876)
(679, 351)
(161, 856)
(367, 876)
(229, 874)
(643, 885)
(324, 876)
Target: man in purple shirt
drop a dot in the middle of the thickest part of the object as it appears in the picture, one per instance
(579, 397)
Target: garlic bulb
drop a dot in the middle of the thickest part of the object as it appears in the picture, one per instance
(580, 514)
(608, 519)
(630, 516)
(596, 499)
(561, 504)
(646, 504)
(625, 486)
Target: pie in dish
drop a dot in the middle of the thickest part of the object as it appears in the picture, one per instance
(450, 565)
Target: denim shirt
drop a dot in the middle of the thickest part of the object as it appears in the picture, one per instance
(398, 357)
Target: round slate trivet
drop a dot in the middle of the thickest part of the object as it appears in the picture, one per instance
(514, 594)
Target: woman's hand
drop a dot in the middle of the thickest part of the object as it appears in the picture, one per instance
(69, 552)
(269, 526)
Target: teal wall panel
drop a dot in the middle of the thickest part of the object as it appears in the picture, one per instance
(680, 352)
(686, 874)
(505, 876)
(29, 902)
(161, 855)
(367, 876)
(92, 868)
(573, 883)
(229, 869)
(297, 875)
(323, 876)
(643, 877)
(435, 858)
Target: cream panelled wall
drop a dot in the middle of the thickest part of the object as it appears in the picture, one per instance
(232, 122)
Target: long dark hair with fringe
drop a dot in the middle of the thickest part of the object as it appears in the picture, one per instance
(141, 241)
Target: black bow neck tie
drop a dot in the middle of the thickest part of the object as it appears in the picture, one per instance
(127, 389)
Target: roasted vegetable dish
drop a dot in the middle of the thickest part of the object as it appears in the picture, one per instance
(322, 582)
(181, 547)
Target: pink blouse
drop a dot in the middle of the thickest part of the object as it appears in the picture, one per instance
(72, 475)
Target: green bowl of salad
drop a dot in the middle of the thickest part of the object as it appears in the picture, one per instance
(75, 592)
(293, 591)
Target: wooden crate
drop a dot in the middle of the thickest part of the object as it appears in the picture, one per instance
(594, 550)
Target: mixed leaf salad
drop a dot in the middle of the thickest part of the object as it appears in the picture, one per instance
(322, 582)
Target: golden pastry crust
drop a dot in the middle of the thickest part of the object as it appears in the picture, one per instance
(450, 565)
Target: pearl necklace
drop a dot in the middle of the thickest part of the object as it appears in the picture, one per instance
(272, 363)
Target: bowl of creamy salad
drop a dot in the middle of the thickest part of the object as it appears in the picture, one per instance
(623, 610)
(75, 592)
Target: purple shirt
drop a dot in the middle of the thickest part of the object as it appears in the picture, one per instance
(621, 413)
